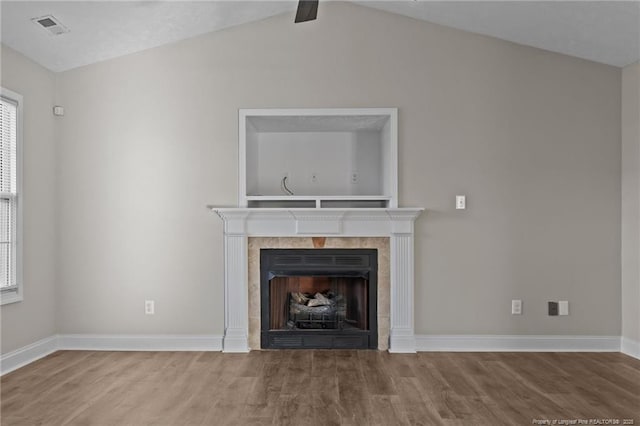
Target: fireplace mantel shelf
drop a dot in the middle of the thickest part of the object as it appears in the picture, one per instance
(395, 223)
(346, 222)
(373, 210)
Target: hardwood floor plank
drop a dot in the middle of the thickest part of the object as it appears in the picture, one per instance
(294, 410)
(592, 384)
(323, 363)
(457, 378)
(436, 389)
(399, 365)
(319, 387)
(537, 405)
(387, 410)
(376, 373)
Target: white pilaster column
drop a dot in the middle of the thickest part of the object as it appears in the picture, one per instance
(236, 293)
(402, 334)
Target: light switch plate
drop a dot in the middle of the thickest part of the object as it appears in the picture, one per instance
(461, 202)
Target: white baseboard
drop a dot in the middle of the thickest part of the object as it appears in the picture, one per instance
(506, 343)
(424, 343)
(107, 342)
(402, 344)
(28, 354)
(630, 347)
(139, 342)
(235, 344)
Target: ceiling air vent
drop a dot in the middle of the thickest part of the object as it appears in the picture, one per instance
(50, 24)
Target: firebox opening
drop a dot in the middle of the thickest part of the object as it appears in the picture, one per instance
(318, 298)
(318, 302)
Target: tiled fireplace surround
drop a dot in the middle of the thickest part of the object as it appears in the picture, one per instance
(379, 243)
(389, 230)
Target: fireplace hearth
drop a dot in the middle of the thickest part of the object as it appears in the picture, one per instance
(318, 298)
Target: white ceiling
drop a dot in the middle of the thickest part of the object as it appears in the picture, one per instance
(103, 30)
(601, 31)
(607, 32)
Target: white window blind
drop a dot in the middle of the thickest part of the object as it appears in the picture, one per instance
(8, 194)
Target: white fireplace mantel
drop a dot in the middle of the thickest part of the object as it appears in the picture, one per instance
(395, 223)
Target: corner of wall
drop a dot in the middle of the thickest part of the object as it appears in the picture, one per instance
(36, 312)
(630, 212)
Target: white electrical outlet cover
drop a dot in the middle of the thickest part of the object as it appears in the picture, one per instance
(461, 202)
(516, 307)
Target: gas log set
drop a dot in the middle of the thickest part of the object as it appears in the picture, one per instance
(319, 310)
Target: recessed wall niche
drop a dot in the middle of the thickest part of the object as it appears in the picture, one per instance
(318, 158)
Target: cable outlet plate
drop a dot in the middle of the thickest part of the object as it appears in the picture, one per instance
(563, 307)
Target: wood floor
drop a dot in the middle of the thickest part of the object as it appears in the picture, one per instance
(317, 387)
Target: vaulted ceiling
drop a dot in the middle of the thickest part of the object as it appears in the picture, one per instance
(606, 32)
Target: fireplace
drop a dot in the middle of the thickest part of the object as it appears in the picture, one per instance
(318, 298)
(245, 228)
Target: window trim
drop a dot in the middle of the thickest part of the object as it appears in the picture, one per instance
(16, 294)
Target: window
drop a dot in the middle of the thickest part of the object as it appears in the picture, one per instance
(10, 196)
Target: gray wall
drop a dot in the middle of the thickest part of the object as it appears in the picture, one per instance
(631, 203)
(531, 137)
(33, 318)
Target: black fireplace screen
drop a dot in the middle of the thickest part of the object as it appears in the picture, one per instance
(318, 298)
(307, 303)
